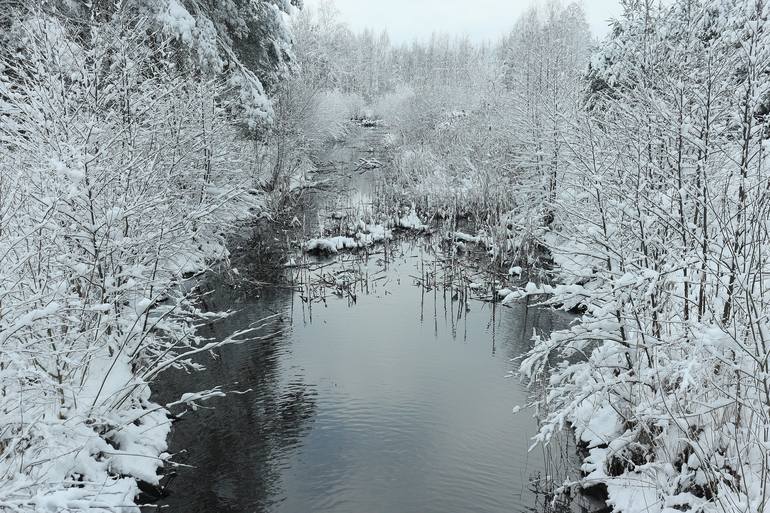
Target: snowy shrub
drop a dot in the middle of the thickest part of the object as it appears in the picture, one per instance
(660, 233)
(115, 183)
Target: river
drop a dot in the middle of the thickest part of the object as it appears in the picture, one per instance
(393, 398)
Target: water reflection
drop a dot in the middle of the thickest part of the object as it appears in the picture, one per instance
(238, 446)
(397, 402)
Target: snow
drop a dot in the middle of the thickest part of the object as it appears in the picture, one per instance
(464, 237)
(481, 239)
(636, 493)
(331, 245)
(370, 234)
(177, 20)
(513, 296)
(362, 236)
(411, 221)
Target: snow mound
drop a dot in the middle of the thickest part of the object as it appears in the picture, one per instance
(331, 245)
(367, 235)
(412, 221)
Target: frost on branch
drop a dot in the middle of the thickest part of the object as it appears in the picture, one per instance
(116, 183)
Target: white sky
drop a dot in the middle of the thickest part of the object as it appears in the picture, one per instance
(406, 20)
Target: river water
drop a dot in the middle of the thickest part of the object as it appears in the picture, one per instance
(395, 398)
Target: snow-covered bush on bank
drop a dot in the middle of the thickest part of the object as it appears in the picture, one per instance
(661, 233)
(479, 128)
(118, 176)
(446, 157)
(310, 110)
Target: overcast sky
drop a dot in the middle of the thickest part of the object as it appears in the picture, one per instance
(406, 20)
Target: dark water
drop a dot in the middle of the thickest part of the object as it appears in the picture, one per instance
(395, 403)
(379, 406)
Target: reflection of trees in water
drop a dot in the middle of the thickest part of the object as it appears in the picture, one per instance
(523, 320)
(561, 457)
(238, 444)
(259, 254)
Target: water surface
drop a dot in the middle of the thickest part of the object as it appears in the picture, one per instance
(392, 399)
(398, 402)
